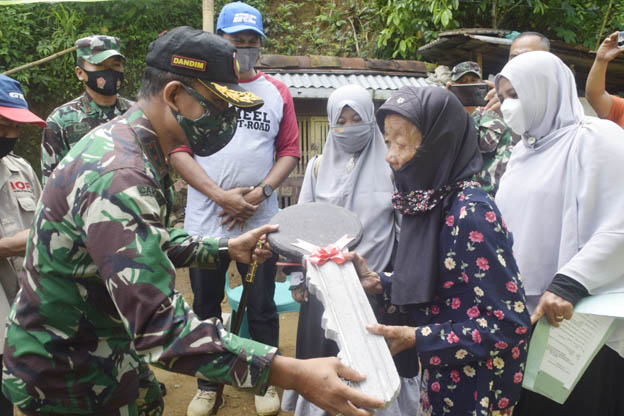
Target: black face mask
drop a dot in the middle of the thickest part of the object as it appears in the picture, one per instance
(6, 146)
(105, 82)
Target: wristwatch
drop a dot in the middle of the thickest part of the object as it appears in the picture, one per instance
(224, 250)
(267, 189)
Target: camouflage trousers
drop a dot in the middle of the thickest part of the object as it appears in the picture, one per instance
(149, 403)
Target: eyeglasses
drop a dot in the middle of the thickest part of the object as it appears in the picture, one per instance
(209, 108)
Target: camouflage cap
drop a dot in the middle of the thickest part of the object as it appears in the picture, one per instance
(463, 68)
(97, 48)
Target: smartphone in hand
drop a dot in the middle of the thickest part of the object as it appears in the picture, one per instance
(471, 95)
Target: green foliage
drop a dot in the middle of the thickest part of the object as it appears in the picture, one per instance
(410, 24)
(351, 28)
(334, 28)
(281, 29)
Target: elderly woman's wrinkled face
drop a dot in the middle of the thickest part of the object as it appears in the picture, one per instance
(402, 139)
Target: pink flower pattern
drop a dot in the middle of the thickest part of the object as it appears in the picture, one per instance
(483, 263)
(455, 376)
(503, 403)
(475, 237)
(501, 345)
(452, 338)
(473, 312)
(473, 337)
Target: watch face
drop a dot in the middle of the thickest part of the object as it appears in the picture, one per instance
(267, 190)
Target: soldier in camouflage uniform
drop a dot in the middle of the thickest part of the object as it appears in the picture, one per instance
(99, 64)
(100, 267)
(495, 139)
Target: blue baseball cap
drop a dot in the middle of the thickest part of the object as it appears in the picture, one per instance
(238, 16)
(13, 105)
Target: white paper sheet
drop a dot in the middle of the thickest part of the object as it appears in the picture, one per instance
(572, 344)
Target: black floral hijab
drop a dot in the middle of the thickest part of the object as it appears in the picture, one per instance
(447, 158)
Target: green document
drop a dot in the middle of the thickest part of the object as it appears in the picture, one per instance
(558, 357)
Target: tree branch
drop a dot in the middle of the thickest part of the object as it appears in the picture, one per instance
(357, 45)
(604, 23)
(40, 61)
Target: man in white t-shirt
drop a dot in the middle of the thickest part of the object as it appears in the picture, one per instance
(233, 191)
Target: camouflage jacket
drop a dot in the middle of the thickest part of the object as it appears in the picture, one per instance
(99, 285)
(68, 123)
(495, 142)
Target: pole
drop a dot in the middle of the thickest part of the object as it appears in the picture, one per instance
(208, 15)
(238, 317)
(40, 61)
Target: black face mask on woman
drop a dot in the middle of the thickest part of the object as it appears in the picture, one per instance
(7, 145)
(105, 82)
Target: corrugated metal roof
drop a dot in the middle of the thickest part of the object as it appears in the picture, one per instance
(321, 85)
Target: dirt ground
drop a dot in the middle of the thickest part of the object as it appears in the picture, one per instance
(181, 388)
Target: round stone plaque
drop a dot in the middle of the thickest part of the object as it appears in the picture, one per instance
(318, 223)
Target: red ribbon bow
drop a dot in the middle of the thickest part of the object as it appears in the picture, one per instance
(321, 255)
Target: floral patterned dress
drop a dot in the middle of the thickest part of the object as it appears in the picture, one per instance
(472, 339)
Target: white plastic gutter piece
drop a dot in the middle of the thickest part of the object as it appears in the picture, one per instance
(347, 313)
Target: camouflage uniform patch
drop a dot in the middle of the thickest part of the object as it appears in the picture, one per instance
(463, 68)
(496, 141)
(69, 123)
(97, 48)
(98, 292)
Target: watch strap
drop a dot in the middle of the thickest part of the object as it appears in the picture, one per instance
(267, 190)
(224, 250)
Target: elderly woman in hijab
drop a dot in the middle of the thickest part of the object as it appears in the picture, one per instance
(353, 174)
(454, 270)
(562, 198)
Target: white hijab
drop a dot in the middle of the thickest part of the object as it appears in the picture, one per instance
(562, 194)
(360, 182)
